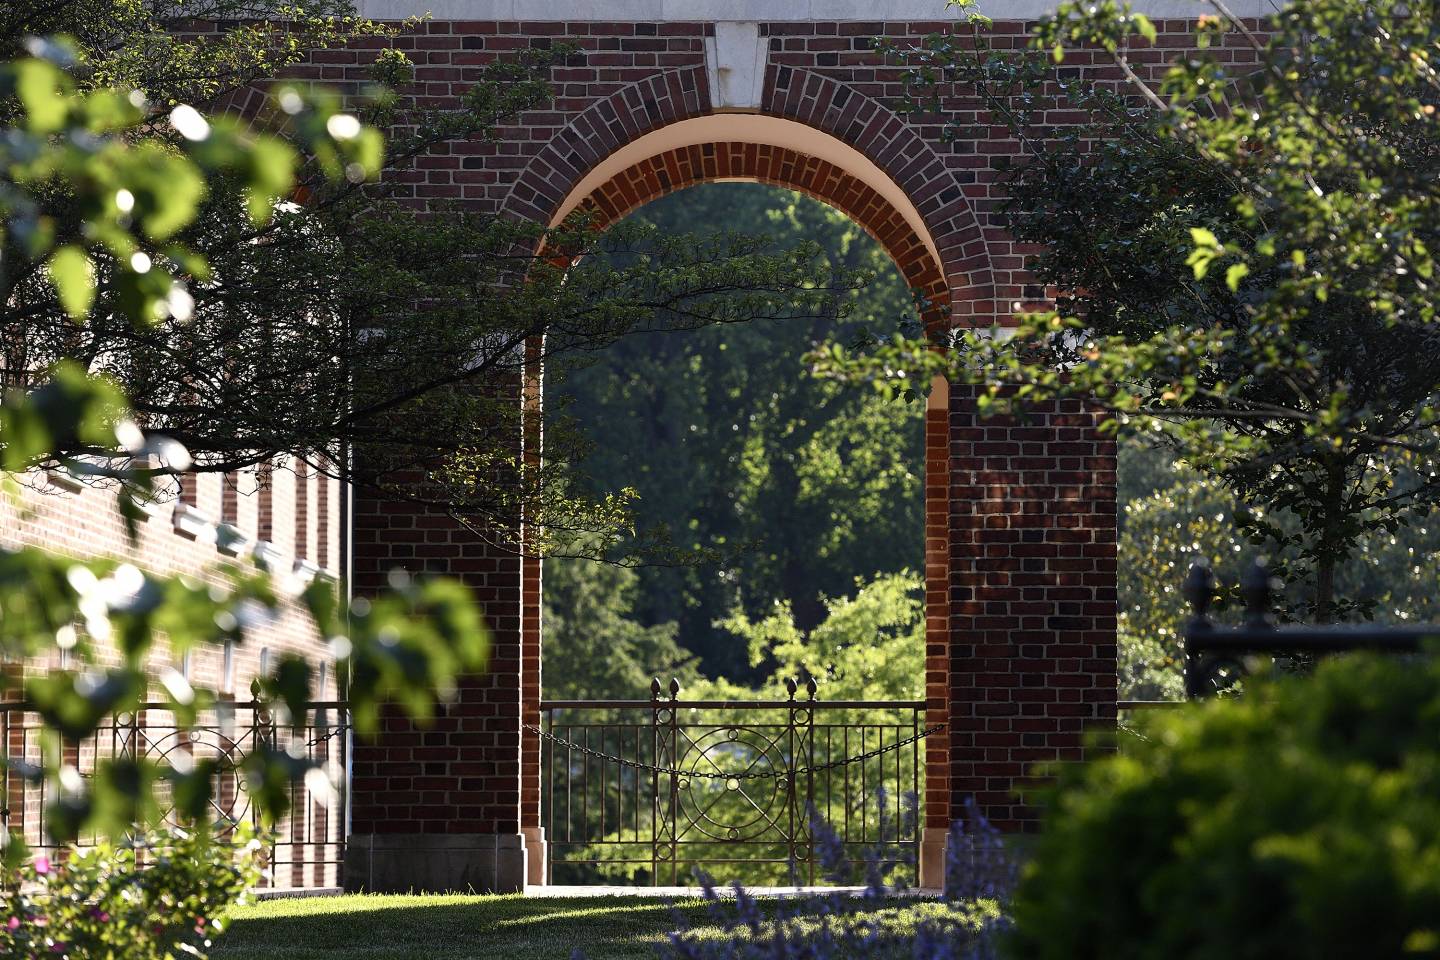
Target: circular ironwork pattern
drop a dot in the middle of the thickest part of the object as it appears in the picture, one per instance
(720, 796)
(587, 751)
(229, 798)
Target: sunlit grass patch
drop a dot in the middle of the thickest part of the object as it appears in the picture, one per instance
(454, 927)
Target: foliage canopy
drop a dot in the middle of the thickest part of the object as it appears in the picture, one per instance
(339, 325)
(1242, 249)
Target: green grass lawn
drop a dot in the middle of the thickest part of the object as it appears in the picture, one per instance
(451, 928)
(373, 927)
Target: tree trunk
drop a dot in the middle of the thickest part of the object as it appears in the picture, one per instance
(1327, 551)
(1325, 588)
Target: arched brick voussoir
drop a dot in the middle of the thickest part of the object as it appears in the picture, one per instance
(688, 166)
(893, 145)
(598, 131)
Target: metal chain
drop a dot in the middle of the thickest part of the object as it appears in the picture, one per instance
(341, 728)
(698, 775)
(324, 737)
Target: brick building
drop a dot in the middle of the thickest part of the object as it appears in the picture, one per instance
(1020, 518)
(286, 515)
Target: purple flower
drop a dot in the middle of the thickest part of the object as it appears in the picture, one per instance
(834, 927)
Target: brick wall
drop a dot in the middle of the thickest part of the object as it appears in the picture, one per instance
(181, 534)
(461, 773)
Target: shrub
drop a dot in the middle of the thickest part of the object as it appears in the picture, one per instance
(156, 898)
(1302, 820)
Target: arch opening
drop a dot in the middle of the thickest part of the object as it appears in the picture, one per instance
(790, 155)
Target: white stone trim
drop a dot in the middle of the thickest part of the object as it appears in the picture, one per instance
(735, 63)
(230, 540)
(62, 478)
(772, 11)
(149, 507)
(305, 571)
(190, 522)
(760, 129)
(270, 557)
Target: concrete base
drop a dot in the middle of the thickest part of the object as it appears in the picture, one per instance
(535, 856)
(932, 858)
(436, 863)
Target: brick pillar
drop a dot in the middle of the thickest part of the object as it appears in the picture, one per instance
(935, 828)
(437, 807)
(1032, 598)
(531, 568)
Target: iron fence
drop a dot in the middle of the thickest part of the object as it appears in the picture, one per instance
(304, 850)
(643, 790)
(1217, 658)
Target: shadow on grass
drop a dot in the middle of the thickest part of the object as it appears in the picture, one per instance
(452, 928)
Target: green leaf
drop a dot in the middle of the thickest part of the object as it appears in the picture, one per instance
(1236, 273)
(40, 87)
(167, 188)
(1145, 25)
(74, 278)
(270, 175)
(1203, 237)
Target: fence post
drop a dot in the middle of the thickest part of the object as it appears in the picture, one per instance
(1199, 590)
(810, 687)
(664, 728)
(800, 719)
(1257, 586)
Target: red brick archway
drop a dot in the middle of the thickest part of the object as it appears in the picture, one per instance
(814, 101)
(1020, 517)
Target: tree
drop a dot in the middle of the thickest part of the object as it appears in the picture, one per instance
(344, 329)
(787, 486)
(594, 648)
(1173, 516)
(1242, 255)
(870, 646)
(408, 645)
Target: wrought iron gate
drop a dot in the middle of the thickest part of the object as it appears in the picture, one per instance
(641, 790)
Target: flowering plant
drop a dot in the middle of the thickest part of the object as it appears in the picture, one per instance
(882, 921)
(157, 896)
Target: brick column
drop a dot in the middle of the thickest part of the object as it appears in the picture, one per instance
(1032, 598)
(935, 829)
(438, 807)
(531, 610)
